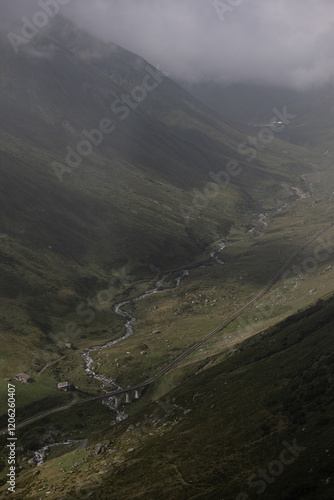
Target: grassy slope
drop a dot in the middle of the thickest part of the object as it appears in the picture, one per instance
(208, 296)
(313, 125)
(240, 102)
(207, 437)
(61, 243)
(118, 214)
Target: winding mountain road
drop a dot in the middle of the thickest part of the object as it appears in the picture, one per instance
(188, 351)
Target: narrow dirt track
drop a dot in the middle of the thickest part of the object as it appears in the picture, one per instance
(188, 351)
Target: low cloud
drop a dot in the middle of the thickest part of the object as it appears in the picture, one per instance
(11, 13)
(282, 42)
(279, 42)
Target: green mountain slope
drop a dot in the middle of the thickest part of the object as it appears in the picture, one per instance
(312, 127)
(69, 227)
(223, 432)
(113, 175)
(241, 102)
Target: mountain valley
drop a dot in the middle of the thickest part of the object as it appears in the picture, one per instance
(134, 221)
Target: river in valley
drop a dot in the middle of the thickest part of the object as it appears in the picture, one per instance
(107, 383)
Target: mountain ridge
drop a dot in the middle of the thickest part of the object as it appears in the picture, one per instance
(112, 184)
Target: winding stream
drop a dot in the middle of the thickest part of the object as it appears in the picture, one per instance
(131, 320)
(129, 323)
(39, 455)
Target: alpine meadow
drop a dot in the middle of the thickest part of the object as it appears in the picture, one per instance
(166, 250)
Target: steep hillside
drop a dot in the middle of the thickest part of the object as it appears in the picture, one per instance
(94, 189)
(315, 123)
(241, 102)
(133, 221)
(222, 433)
(312, 126)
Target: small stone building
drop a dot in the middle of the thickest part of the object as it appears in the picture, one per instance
(65, 386)
(23, 377)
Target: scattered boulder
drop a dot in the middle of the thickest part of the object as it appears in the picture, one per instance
(156, 331)
(99, 449)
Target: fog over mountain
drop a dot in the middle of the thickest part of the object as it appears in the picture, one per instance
(166, 269)
(233, 41)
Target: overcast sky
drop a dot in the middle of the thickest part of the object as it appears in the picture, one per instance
(286, 42)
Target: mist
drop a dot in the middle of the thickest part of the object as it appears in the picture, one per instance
(275, 42)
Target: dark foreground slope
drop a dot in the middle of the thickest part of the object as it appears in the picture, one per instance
(257, 423)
